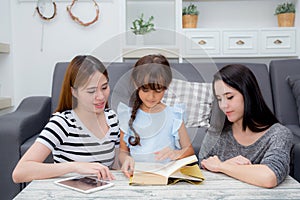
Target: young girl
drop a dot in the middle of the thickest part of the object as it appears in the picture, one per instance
(252, 146)
(150, 130)
(82, 134)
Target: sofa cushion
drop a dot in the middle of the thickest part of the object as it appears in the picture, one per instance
(197, 98)
(294, 82)
(27, 144)
(284, 100)
(295, 130)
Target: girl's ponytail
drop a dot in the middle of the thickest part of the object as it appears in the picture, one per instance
(134, 140)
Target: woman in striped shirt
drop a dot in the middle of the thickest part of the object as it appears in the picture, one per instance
(82, 134)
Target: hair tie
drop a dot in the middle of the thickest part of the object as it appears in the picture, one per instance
(76, 19)
(41, 15)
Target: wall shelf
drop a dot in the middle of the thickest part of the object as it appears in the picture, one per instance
(5, 102)
(4, 48)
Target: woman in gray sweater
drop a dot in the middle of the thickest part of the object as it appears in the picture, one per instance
(247, 143)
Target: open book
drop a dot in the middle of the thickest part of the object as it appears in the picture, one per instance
(186, 169)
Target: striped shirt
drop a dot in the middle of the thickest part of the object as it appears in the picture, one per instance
(69, 140)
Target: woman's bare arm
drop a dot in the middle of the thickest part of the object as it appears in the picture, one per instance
(31, 166)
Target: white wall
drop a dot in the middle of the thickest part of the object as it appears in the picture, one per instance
(27, 70)
(297, 24)
(6, 64)
(63, 39)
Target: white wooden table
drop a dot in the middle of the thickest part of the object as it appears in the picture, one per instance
(216, 186)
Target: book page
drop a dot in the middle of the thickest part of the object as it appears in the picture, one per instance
(164, 169)
(155, 168)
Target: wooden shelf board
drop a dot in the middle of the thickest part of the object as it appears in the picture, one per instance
(4, 48)
(5, 102)
(139, 52)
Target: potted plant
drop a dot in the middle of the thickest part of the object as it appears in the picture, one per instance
(285, 14)
(190, 16)
(141, 27)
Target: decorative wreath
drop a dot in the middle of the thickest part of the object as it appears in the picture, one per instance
(76, 19)
(41, 15)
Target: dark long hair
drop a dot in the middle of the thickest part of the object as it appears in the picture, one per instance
(257, 115)
(149, 72)
(77, 74)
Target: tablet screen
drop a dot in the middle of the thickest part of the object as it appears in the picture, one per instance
(84, 184)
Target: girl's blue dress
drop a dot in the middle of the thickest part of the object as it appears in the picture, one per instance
(156, 130)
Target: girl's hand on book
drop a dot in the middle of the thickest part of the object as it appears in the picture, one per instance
(128, 166)
(166, 153)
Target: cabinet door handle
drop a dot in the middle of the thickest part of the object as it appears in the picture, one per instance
(277, 41)
(202, 42)
(240, 42)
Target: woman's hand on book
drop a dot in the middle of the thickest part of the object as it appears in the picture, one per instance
(128, 166)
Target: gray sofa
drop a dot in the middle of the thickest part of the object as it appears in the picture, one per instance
(285, 106)
(20, 128)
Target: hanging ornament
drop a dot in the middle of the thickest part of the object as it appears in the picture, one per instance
(76, 19)
(46, 9)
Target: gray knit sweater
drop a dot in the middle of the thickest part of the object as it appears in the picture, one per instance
(272, 149)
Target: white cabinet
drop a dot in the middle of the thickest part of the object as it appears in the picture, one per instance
(278, 42)
(202, 42)
(226, 28)
(218, 43)
(243, 42)
(237, 28)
